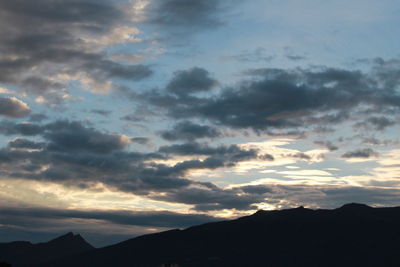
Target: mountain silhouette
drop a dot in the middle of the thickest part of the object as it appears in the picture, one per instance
(352, 235)
(23, 253)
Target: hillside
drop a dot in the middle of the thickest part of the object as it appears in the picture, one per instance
(352, 235)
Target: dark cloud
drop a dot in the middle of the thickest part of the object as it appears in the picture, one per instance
(283, 99)
(37, 117)
(360, 153)
(61, 37)
(267, 157)
(331, 196)
(140, 140)
(132, 117)
(232, 151)
(327, 144)
(185, 15)
(189, 131)
(191, 81)
(13, 107)
(256, 189)
(25, 144)
(68, 136)
(101, 112)
(295, 57)
(75, 154)
(380, 123)
(257, 55)
(215, 198)
(73, 136)
(377, 142)
(23, 128)
(376, 123)
(150, 219)
(299, 155)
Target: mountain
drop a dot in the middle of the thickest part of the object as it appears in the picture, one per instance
(23, 253)
(352, 235)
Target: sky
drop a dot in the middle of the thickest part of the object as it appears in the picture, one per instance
(121, 118)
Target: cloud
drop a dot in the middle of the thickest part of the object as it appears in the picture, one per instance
(256, 55)
(37, 117)
(101, 112)
(25, 144)
(48, 47)
(360, 153)
(68, 136)
(77, 155)
(215, 199)
(232, 152)
(23, 128)
(189, 131)
(286, 99)
(185, 15)
(13, 107)
(191, 81)
(299, 155)
(151, 219)
(73, 136)
(327, 144)
(140, 140)
(376, 123)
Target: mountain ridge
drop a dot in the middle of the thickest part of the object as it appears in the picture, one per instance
(351, 235)
(25, 253)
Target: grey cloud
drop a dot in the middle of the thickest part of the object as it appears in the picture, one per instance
(331, 196)
(185, 15)
(267, 157)
(68, 136)
(360, 153)
(85, 12)
(191, 81)
(374, 141)
(26, 129)
(150, 219)
(380, 123)
(39, 85)
(233, 152)
(13, 107)
(377, 123)
(256, 189)
(25, 144)
(132, 117)
(327, 144)
(256, 55)
(371, 196)
(77, 155)
(189, 131)
(73, 136)
(140, 140)
(284, 99)
(299, 155)
(215, 198)
(51, 35)
(101, 112)
(37, 117)
(295, 57)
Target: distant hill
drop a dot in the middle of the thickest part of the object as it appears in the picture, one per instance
(352, 235)
(23, 253)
